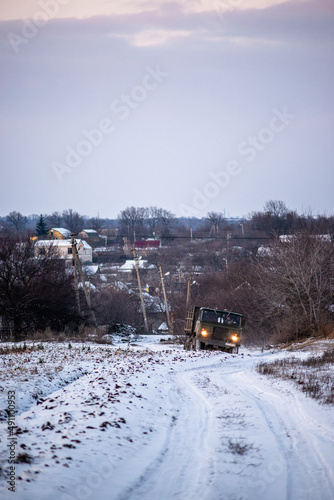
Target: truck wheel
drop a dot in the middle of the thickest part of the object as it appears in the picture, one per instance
(199, 345)
(189, 344)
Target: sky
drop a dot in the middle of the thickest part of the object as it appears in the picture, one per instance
(190, 105)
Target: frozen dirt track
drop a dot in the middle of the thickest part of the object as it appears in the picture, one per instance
(236, 436)
(185, 464)
(233, 435)
(154, 424)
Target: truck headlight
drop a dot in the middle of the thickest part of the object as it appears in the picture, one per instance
(234, 338)
(204, 332)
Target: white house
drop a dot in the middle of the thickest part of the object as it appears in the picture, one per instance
(64, 247)
(130, 265)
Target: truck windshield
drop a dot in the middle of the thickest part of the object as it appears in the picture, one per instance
(221, 317)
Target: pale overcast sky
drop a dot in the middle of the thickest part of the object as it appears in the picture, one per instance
(189, 105)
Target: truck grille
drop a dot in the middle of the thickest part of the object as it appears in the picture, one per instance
(220, 333)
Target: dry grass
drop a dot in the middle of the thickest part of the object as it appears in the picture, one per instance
(284, 334)
(313, 375)
(42, 338)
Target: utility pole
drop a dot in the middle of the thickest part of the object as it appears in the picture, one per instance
(228, 236)
(76, 284)
(188, 291)
(140, 291)
(169, 323)
(78, 263)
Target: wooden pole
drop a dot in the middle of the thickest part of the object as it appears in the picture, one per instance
(188, 291)
(76, 284)
(82, 279)
(228, 236)
(140, 291)
(169, 323)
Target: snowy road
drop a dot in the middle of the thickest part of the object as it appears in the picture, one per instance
(156, 424)
(236, 438)
(185, 464)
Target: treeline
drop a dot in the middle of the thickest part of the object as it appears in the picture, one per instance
(139, 222)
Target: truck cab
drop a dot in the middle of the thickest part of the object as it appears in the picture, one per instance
(207, 328)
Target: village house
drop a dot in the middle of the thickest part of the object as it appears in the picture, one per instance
(91, 236)
(59, 233)
(147, 244)
(64, 247)
(130, 266)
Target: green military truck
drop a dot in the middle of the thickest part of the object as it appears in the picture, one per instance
(207, 328)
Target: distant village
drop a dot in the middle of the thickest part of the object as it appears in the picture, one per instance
(147, 267)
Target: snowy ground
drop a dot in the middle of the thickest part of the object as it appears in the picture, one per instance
(154, 422)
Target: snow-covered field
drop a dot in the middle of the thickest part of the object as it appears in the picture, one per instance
(154, 422)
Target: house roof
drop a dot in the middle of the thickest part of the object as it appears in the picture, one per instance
(153, 303)
(129, 265)
(150, 243)
(91, 270)
(83, 244)
(54, 243)
(90, 231)
(62, 243)
(64, 232)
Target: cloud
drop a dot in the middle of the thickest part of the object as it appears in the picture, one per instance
(81, 10)
(299, 21)
(172, 23)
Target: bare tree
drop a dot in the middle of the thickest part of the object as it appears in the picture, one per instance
(159, 219)
(55, 219)
(276, 218)
(166, 220)
(96, 223)
(132, 219)
(296, 284)
(152, 218)
(73, 221)
(17, 221)
(276, 207)
(216, 220)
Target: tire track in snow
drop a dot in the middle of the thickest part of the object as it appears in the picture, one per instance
(309, 471)
(185, 465)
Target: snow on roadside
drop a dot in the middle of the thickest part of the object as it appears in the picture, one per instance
(36, 373)
(147, 418)
(76, 403)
